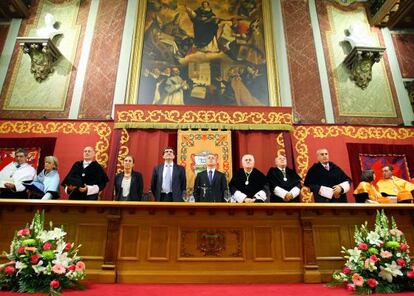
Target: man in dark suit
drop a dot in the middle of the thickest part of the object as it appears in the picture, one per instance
(168, 182)
(327, 181)
(284, 183)
(210, 185)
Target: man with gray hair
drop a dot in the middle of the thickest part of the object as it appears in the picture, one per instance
(14, 174)
(327, 181)
(248, 184)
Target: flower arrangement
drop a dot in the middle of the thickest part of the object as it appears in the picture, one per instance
(41, 261)
(380, 262)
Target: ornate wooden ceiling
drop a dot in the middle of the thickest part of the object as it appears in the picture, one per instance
(395, 14)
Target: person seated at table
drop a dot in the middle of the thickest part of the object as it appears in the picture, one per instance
(128, 184)
(86, 178)
(391, 185)
(248, 184)
(367, 192)
(46, 184)
(284, 183)
(14, 174)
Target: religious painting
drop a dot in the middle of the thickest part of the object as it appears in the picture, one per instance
(217, 52)
(376, 162)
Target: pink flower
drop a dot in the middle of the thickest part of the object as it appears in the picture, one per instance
(54, 284)
(410, 274)
(20, 250)
(72, 267)
(363, 246)
(68, 246)
(357, 279)
(9, 270)
(386, 254)
(373, 258)
(372, 283)
(401, 262)
(23, 232)
(404, 247)
(30, 249)
(47, 246)
(80, 266)
(346, 270)
(395, 232)
(350, 287)
(58, 268)
(34, 259)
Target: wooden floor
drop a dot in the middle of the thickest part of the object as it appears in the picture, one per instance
(204, 243)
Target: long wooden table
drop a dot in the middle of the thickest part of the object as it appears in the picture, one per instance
(148, 242)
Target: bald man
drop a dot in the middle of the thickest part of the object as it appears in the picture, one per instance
(284, 183)
(248, 184)
(86, 178)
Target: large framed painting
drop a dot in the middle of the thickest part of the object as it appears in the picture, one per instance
(217, 52)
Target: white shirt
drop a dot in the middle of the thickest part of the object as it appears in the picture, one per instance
(11, 174)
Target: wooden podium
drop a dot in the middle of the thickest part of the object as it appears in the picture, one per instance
(148, 242)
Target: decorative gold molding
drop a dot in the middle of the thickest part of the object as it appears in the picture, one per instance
(123, 149)
(181, 119)
(301, 134)
(102, 129)
(280, 141)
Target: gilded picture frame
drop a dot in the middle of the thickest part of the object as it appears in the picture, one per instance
(235, 69)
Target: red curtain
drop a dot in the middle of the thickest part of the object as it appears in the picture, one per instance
(355, 149)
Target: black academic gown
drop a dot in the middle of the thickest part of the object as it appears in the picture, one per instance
(206, 192)
(257, 182)
(275, 178)
(93, 174)
(318, 176)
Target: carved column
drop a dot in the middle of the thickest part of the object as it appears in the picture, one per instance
(112, 239)
(311, 273)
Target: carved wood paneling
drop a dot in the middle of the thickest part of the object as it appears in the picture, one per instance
(263, 244)
(129, 242)
(93, 238)
(291, 243)
(159, 243)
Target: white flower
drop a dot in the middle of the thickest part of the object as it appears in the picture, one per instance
(20, 266)
(62, 259)
(390, 271)
(50, 235)
(354, 254)
(374, 238)
(60, 247)
(39, 268)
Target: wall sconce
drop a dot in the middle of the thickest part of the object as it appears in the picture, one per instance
(43, 55)
(360, 60)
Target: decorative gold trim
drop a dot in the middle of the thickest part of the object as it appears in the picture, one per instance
(123, 149)
(135, 61)
(280, 141)
(174, 119)
(102, 129)
(136, 58)
(301, 133)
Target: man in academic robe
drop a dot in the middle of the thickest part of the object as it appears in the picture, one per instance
(210, 185)
(14, 174)
(86, 178)
(327, 181)
(168, 181)
(248, 184)
(284, 183)
(391, 186)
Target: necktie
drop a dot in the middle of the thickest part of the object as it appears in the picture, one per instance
(166, 182)
(210, 177)
(18, 166)
(326, 166)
